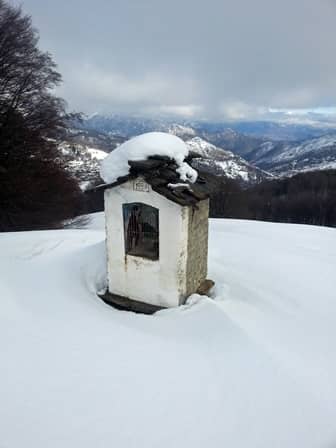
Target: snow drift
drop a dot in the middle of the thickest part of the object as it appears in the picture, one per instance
(253, 367)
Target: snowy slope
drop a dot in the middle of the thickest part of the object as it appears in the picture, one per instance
(220, 162)
(97, 154)
(255, 367)
(290, 158)
(130, 126)
(83, 149)
(280, 129)
(82, 161)
(179, 130)
(281, 148)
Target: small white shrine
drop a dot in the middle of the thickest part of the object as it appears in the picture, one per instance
(156, 214)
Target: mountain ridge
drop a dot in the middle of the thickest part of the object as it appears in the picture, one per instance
(252, 154)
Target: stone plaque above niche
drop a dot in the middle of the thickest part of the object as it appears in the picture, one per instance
(140, 185)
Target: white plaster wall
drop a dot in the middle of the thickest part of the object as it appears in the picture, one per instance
(161, 282)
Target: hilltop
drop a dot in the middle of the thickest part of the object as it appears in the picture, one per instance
(253, 366)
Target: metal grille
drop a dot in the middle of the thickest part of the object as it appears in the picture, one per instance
(141, 230)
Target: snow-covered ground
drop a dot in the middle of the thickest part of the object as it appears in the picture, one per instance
(255, 367)
(97, 153)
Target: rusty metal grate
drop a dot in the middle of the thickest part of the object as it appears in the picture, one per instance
(141, 230)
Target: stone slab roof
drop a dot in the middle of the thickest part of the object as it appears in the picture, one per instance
(160, 173)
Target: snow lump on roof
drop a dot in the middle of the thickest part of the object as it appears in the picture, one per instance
(140, 148)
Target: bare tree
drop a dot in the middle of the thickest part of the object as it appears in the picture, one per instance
(31, 116)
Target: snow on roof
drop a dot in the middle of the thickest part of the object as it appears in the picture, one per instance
(161, 172)
(116, 164)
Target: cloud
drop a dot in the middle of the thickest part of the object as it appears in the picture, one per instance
(238, 110)
(218, 58)
(179, 110)
(103, 90)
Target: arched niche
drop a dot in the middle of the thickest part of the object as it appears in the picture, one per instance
(141, 230)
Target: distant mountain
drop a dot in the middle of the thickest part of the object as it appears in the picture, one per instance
(283, 158)
(83, 150)
(254, 147)
(128, 126)
(231, 140)
(93, 137)
(281, 131)
(267, 130)
(288, 158)
(224, 163)
(131, 126)
(82, 161)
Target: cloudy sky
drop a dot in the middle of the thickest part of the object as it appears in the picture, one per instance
(228, 59)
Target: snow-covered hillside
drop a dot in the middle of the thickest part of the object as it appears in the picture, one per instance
(82, 150)
(279, 130)
(290, 158)
(281, 148)
(179, 130)
(130, 126)
(220, 162)
(253, 367)
(82, 161)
